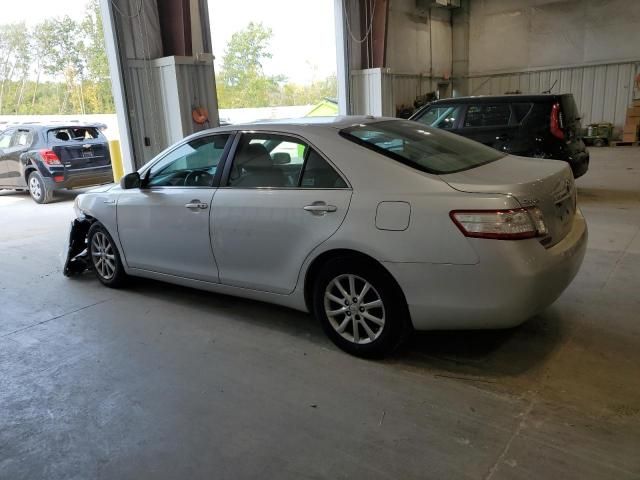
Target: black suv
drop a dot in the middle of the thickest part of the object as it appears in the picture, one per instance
(542, 126)
(43, 158)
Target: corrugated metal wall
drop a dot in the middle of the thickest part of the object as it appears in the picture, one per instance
(602, 92)
(165, 92)
(377, 91)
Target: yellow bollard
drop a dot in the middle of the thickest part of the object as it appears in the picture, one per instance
(116, 160)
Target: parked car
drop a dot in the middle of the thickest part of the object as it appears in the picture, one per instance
(43, 158)
(377, 226)
(541, 126)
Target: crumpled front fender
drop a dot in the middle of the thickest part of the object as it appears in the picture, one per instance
(77, 260)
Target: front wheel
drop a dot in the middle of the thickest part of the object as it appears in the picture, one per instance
(105, 258)
(360, 307)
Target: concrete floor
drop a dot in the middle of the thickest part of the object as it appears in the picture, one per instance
(158, 381)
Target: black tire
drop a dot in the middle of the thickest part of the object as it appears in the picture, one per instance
(38, 188)
(101, 246)
(394, 313)
(598, 142)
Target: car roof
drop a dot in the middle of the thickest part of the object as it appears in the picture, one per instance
(52, 125)
(337, 122)
(510, 98)
(297, 125)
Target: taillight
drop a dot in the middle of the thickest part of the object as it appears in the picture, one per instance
(514, 224)
(49, 157)
(556, 127)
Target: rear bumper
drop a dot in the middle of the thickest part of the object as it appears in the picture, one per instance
(82, 177)
(513, 281)
(579, 164)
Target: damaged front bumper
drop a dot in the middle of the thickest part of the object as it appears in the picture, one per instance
(77, 260)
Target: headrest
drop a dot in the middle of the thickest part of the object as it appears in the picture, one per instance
(254, 155)
(281, 158)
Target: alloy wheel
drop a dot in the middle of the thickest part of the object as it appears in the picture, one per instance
(103, 255)
(34, 187)
(354, 309)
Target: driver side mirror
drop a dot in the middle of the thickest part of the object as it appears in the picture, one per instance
(130, 180)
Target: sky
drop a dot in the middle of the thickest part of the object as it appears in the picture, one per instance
(303, 43)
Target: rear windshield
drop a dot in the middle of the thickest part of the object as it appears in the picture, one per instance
(73, 134)
(424, 148)
(570, 115)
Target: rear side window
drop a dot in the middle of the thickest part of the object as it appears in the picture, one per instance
(77, 134)
(266, 160)
(22, 138)
(319, 174)
(423, 148)
(520, 111)
(484, 115)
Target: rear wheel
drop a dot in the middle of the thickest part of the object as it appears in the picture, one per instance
(38, 188)
(105, 258)
(360, 307)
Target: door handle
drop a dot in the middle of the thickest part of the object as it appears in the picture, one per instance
(197, 204)
(320, 208)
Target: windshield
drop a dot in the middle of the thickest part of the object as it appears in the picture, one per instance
(424, 148)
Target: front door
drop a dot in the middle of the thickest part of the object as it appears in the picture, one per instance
(164, 226)
(280, 200)
(21, 142)
(6, 179)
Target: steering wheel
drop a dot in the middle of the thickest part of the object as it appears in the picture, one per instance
(198, 178)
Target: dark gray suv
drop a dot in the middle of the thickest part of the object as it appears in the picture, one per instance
(543, 126)
(43, 158)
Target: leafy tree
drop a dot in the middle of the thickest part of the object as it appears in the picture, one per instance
(68, 55)
(242, 81)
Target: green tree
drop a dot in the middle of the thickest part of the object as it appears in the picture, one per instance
(242, 81)
(98, 92)
(14, 58)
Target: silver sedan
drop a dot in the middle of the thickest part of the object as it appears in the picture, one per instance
(377, 226)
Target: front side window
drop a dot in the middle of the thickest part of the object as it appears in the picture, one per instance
(5, 139)
(423, 148)
(193, 164)
(484, 115)
(441, 116)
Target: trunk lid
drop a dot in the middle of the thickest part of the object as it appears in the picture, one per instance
(79, 147)
(546, 184)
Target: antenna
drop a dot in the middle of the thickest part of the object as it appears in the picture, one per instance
(551, 88)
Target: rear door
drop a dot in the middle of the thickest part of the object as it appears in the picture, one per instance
(271, 213)
(79, 147)
(489, 124)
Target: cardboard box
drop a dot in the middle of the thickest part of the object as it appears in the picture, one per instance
(633, 129)
(632, 122)
(633, 112)
(636, 102)
(629, 137)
